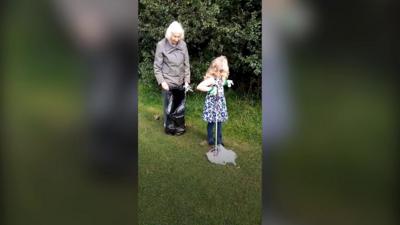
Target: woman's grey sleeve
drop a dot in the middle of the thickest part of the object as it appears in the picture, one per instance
(187, 66)
(158, 61)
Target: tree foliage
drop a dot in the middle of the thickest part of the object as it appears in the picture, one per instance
(212, 28)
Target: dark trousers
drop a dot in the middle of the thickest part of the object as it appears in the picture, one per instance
(174, 111)
(165, 101)
(211, 134)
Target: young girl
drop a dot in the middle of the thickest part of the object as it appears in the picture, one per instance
(215, 104)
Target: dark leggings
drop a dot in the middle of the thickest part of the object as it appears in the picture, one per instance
(211, 134)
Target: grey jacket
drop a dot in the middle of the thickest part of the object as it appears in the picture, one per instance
(171, 63)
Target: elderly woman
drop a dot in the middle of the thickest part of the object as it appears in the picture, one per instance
(172, 71)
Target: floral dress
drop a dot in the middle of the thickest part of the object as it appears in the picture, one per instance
(215, 106)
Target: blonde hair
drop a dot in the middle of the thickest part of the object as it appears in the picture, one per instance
(175, 27)
(218, 68)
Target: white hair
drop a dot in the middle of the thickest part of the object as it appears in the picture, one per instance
(175, 27)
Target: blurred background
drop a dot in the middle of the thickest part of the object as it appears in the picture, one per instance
(329, 112)
(69, 121)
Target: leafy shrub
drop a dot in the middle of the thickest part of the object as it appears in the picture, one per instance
(212, 28)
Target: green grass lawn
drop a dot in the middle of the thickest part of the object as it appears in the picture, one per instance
(177, 185)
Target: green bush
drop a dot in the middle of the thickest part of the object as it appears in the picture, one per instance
(212, 28)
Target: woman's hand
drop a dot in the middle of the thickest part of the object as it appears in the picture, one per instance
(187, 87)
(165, 86)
